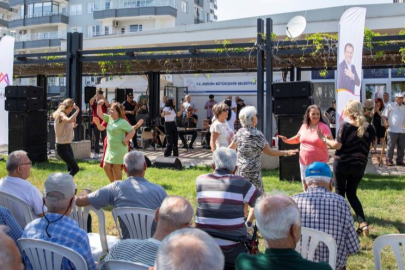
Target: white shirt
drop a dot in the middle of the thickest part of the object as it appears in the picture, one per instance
(234, 105)
(396, 117)
(186, 105)
(231, 121)
(169, 117)
(162, 105)
(26, 192)
(225, 134)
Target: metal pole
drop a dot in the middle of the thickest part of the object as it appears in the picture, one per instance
(292, 74)
(69, 65)
(299, 74)
(269, 80)
(260, 73)
(76, 80)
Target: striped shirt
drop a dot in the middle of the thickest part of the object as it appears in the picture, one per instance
(330, 213)
(220, 206)
(133, 250)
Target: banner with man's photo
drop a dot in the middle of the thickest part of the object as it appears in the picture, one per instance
(349, 65)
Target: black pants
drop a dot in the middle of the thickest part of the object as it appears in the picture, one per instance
(172, 137)
(333, 131)
(183, 139)
(97, 138)
(348, 179)
(65, 152)
(231, 255)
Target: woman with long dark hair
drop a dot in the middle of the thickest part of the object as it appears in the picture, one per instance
(64, 133)
(352, 147)
(378, 124)
(312, 148)
(172, 136)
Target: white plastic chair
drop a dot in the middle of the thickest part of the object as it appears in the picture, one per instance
(100, 243)
(137, 220)
(123, 265)
(310, 239)
(17, 208)
(47, 255)
(393, 240)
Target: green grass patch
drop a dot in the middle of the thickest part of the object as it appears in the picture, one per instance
(382, 198)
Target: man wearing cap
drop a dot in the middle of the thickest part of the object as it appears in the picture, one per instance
(130, 113)
(208, 106)
(93, 103)
(328, 212)
(56, 226)
(394, 121)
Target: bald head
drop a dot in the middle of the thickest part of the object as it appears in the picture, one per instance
(175, 213)
(189, 249)
(275, 215)
(10, 256)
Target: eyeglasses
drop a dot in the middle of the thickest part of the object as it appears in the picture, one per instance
(28, 163)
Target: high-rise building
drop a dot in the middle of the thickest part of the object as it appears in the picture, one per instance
(42, 25)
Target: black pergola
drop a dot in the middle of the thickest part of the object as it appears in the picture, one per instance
(263, 55)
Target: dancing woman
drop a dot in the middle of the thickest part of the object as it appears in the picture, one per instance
(172, 135)
(117, 141)
(352, 147)
(64, 133)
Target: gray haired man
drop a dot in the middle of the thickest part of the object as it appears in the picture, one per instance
(328, 212)
(135, 191)
(278, 219)
(187, 249)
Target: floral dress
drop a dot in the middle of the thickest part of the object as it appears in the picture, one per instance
(250, 144)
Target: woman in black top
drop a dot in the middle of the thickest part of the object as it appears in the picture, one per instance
(352, 147)
(379, 129)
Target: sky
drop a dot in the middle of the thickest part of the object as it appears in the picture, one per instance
(235, 9)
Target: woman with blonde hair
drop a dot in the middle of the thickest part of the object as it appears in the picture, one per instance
(119, 133)
(352, 146)
(64, 133)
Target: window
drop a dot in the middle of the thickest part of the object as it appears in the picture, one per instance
(107, 4)
(90, 7)
(108, 30)
(47, 8)
(135, 28)
(93, 30)
(76, 9)
(122, 30)
(184, 6)
(76, 29)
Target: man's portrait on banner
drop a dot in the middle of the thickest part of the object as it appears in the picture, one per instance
(347, 74)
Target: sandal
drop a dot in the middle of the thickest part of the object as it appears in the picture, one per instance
(363, 230)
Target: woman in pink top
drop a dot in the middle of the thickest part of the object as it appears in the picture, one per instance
(312, 147)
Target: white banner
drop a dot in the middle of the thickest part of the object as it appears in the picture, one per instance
(350, 53)
(6, 78)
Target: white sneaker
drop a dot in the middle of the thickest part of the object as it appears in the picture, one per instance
(95, 156)
(249, 228)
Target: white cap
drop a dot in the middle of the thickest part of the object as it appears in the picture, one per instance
(60, 182)
(400, 95)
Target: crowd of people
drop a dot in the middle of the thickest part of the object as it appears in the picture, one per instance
(228, 200)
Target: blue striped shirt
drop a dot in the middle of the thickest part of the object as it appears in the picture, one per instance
(64, 232)
(6, 218)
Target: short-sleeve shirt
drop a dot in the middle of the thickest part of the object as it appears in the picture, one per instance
(210, 104)
(396, 117)
(225, 134)
(94, 110)
(354, 150)
(186, 105)
(7, 219)
(116, 130)
(129, 107)
(169, 117)
(132, 192)
(26, 192)
(189, 121)
(250, 144)
(312, 148)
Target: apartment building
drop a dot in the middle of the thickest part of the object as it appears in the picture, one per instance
(40, 26)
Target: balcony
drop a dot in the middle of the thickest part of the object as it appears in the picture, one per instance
(3, 21)
(39, 40)
(4, 4)
(199, 2)
(38, 19)
(129, 8)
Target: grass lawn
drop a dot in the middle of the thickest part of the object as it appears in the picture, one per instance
(382, 197)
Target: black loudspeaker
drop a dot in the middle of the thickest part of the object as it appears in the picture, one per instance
(292, 89)
(290, 168)
(11, 91)
(148, 163)
(30, 92)
(120, 95)
(28, 132)
(24, 105)
(291, 105)
(168, 162)
(127, 91)
(89, 92)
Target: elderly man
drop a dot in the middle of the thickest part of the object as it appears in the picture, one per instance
(135, 191)
(15, 183)
(188, 104)
(10, 256)
(394, 120)
(386, 98)
(189, 249)
(327, 212)
(56, 226)
(174, 214)
(7, 219)
(221, 197)
(278, 219)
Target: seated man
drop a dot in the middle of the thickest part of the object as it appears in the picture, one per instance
(327, 212)
(174, 214)
(189, 121)
(15, 183)
(10, 256)
(221, 197)
(56, 226)
(135, 191)
(7, 219)
(279, 222)
(189, 249)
